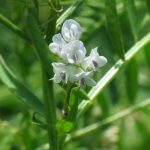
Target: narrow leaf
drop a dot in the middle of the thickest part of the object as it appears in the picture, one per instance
(18, 88)
(132, 17)
(6, 22)
(113, 27)
(132, 79)
(148, 5)
(104, 104)
(147, 54)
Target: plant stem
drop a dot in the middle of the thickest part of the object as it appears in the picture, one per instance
(50, 108)
(120, 115)
(66, 101)
(54, 6)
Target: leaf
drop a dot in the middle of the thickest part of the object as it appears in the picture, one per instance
(147, 54)
(104, 104)
(148, 5)
(132, 17)
(13, 28)
(132, 80)
(9, 79)
(113, 27)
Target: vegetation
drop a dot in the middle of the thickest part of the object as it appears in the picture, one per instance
(113, 115)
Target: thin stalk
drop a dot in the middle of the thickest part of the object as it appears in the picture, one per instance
(6, 22)
(108, 120)
(54, 140)
(66, 101)
(111, 74)
(50, 109)
(54, 10)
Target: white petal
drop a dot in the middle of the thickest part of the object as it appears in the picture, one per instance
(102, 61)
(71, 30)
(94, 52)
(86, 62)
(75, 51)
(54, 47)
(58, 67)
(57, 38)
(57, 78)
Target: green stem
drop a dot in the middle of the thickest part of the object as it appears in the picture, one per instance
(120, 115)
(13, 27)
(54, 140)
(110, 75)
(50, 108)
(66, 101)
(54, 6)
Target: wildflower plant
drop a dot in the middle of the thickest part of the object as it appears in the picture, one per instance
(74, 67)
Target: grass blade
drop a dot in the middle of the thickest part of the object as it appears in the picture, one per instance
(147, 54)
(132, 79)
(13, 28)
(113, 27)
(132, 17)
(148, 5)
(18, 88)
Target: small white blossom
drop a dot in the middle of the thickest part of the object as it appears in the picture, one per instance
(57, 44)
(63, 73)
(84, 79)
(94, 61)
(74, 52)
(71, 30)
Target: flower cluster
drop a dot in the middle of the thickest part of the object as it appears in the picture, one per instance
(75, 66)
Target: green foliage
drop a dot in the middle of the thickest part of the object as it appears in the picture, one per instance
(98, 117)
(114, 27)
(19, 89)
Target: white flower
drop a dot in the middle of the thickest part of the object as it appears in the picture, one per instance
(63, 73)
(94, 61)
(71, 30)
(57, 44)
(77, 68)
(74, 52)
(84, 79)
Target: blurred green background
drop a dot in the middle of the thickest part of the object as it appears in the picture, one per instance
(132, 85)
